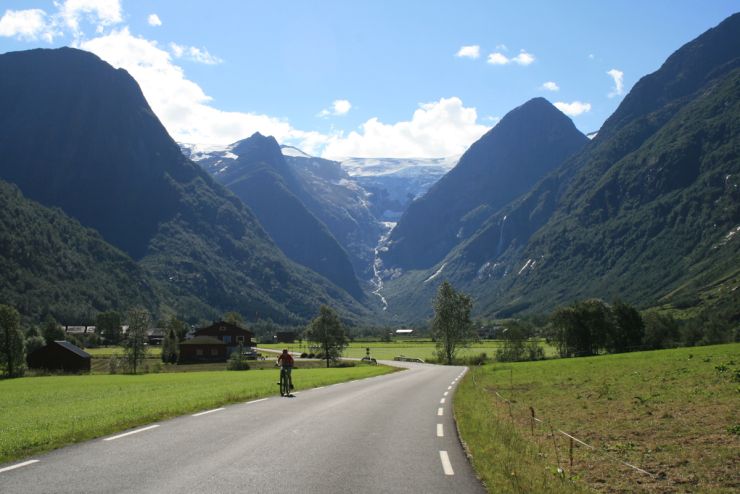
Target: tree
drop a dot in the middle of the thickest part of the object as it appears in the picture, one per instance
(661, 330)
(234, 318)
(327, 330)
(170, 346)
(135, 342)
(628, 329)
(582, 328)
(34, 340)
(451, 326)
(108, 326)
(52, 331)
(12, 344)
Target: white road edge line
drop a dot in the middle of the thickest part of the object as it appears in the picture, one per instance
(442, 401)
(320, 387)
(256, 401)
(440, 412)
(207, 412)
(446, 465)
(19, 465)
(440, 430)
(131, 432)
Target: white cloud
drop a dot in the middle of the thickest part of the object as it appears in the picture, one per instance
(194, 54)
(182, 105)
(27, 25)
(502, 47)
(523, 58)
(573, 109)
(104, 13)
(497, 58)
(472, 51)
(338, 108)
(154, 20)
(618, 77)
(550, 86)
(436, 129)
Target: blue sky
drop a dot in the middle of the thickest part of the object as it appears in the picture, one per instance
(372, 78)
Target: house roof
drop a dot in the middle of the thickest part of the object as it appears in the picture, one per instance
(73, 348)
(203, 340)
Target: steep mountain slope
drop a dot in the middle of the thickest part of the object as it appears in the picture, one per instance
(649, 211)
(341, 203)
(258, 174)
(78, 134)
(50, 264)
(507, 161)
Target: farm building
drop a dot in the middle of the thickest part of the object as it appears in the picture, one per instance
(203, 349)
(59, 356)
(229, 334)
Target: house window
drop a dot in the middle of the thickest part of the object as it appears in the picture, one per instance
(227, 339)
(199, 352)
(214, 352)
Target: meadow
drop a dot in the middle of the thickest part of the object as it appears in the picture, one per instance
(421, 348)
(673, 413)
(43, 413)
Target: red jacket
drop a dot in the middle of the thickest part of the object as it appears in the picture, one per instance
(285, 359)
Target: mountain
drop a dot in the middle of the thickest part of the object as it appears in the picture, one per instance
(392, 183)
(78, 134)
(508, 160)
(53, 265)
(341, 203)
(648, 211)
(258, 174)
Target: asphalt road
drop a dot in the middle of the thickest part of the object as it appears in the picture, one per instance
(388, 434)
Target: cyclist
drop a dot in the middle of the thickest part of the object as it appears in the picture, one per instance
(285, 361)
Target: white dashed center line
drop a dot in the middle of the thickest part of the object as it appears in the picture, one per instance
(442, 401)
(18, 465)
(256, 401)
(440, 431)
(131, 432)
(446, 393)
(446, 465)
(440, 412)
(207, 412)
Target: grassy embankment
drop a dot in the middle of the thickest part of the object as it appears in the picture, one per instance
(422, 348)
(43, 413)
(674, 413)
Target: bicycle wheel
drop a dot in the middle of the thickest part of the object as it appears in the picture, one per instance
(284, 383)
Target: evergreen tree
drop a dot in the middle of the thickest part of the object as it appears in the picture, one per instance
(170, 346)
(451, 327)
(135, 342)
(327, 330)
(12, 344)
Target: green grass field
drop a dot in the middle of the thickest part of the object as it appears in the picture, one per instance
(422, 348)
(674, 413)
(43, 413)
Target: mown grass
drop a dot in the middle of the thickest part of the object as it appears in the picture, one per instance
(43, 413)
(674, 413)
(422, 348)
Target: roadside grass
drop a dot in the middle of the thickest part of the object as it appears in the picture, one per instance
(422, 348)
(43, 413)
(674, 413)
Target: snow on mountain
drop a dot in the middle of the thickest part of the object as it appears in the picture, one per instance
(402, 167)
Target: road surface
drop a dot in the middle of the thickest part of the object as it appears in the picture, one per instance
(387, 434)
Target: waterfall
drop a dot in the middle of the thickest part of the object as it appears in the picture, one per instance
(377, 280)
(501, 238)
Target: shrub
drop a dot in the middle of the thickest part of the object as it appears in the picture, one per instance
(237, 362)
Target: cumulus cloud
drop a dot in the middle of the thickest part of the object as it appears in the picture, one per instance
(436, 129)
(338, 108)
(104, 13)
(27, 25)
(618, 77)
(523, 58)
(154, 20)
(472, 51)
(574, 108)
(550, 86)
(194, 54)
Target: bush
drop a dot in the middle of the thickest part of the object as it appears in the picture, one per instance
(304, 355)
(237, 362)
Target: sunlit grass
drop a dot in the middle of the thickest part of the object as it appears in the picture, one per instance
(673, 413)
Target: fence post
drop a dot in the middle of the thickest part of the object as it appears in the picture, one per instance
(531, 409)
(571, 453)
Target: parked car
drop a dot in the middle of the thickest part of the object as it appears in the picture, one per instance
(252, 354)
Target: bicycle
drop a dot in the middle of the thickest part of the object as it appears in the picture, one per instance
(286, 381)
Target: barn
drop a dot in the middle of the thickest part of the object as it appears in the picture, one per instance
(203, 349)
(59, 356)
